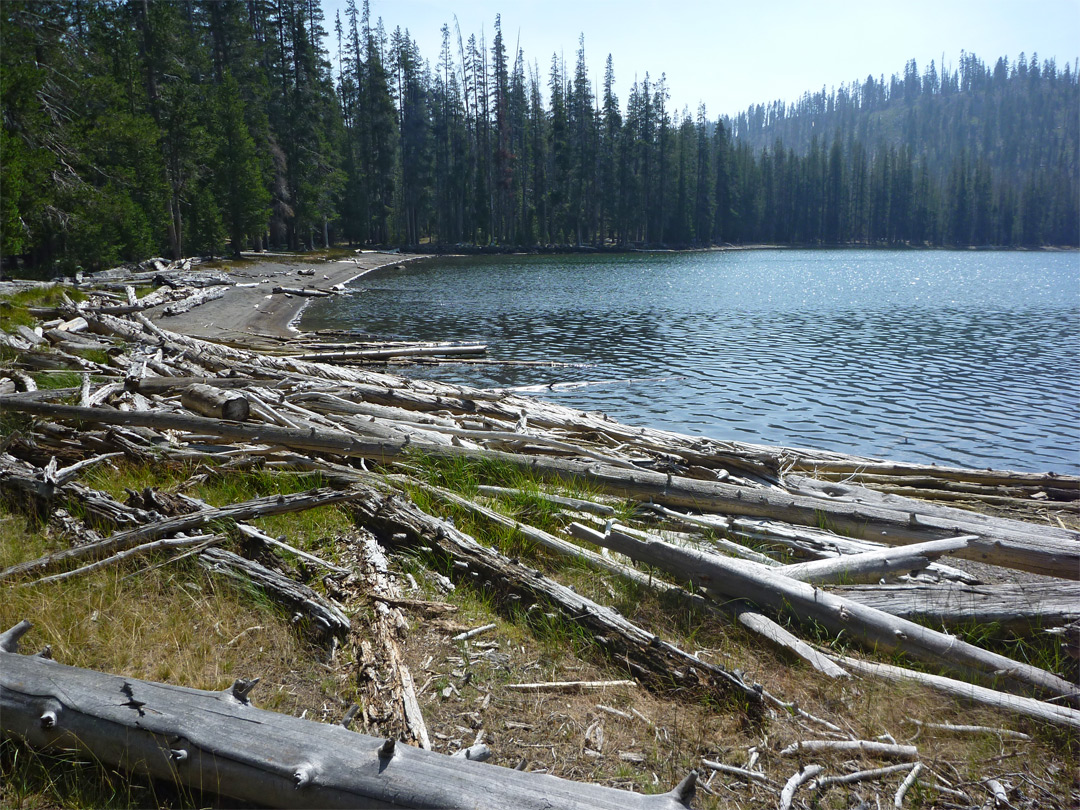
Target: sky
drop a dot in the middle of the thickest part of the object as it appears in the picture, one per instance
(729, 55)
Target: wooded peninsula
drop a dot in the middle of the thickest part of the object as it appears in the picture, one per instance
(148, 128)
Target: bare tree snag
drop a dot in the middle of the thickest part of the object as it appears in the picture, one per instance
(219, 742)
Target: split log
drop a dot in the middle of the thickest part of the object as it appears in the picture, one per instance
(219, 742)
(388, 624)
(1018, 605)
(302, 602)
(742, 579)
(215, 403)
(1040, 549)
(653, 660)
(198, 299)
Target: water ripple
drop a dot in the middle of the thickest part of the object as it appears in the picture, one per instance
(953, 358)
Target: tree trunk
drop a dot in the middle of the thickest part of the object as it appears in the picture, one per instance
(219, 742)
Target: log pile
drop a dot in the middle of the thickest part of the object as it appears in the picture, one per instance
(755, 534)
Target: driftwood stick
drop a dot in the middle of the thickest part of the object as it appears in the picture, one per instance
(804, 775)
(955, 729)
(909, 780)
(218, 741)
(568, 687)
(255, 534)
(169, 543)
(742, 773)
(269, 505)
(474, 632)
(871, 747)
(859, 776)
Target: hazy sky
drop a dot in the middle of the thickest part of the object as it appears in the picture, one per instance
(733, 54)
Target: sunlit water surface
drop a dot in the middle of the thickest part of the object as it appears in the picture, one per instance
(958, 358)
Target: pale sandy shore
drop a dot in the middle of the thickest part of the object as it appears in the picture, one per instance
(250, 309)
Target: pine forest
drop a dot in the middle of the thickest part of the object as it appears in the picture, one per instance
(141, 128)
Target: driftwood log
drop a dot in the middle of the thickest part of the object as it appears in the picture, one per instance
(219, 742)
(900, 521)
(213, 402)
(742, 579)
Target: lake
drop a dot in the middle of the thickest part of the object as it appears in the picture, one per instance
(961, 358)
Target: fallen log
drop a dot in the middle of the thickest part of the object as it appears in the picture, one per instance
(390, 353)
(215, 403)
(1013, 604)
(1028, 547)
(872, 565)
(742, 579)
(662, 665)
(1030, 707)
(219, 742)
(258, 507)
(302, 602)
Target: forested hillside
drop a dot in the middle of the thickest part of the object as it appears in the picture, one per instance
(147, 127)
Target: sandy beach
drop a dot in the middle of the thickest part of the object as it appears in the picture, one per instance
(250, 309)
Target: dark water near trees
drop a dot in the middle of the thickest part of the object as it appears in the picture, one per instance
(959, 358)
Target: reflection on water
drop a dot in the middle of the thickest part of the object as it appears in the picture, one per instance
(957, 358)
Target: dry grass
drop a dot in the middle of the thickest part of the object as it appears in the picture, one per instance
(177, 623)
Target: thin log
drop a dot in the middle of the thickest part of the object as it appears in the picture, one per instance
(869, 747)
(960, 729)
(258, 507)
(569, 687)
(255, 534)
(766, 627)
(1029, 707)
(392, 352)
(298, 598)
(218, 741)
(872, 565)
(763, 586)
(389, 622)
(474, 632)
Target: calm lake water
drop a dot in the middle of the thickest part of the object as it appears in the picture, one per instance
(958, 358)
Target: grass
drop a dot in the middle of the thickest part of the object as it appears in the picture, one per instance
(14, 308)
(180, 624)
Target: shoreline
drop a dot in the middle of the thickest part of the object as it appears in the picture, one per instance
(249, 309)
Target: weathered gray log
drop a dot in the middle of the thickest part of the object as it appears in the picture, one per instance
(258, 507)
(742, 579)
(389, 623)
(390, 353)
(396, 521)
(1030, 707)
(870, 566)
(766, 627)
(302, 602)
(1029, 547)
(1018, 605)
(219, 742)
(197, 299)
(215, 403)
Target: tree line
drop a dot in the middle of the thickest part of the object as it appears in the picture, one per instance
(148, 127)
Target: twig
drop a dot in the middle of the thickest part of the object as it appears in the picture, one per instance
(1001, 732)
(145, 548)
(473, 633)
(567, 686)
(743, 773)
(858, 776)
